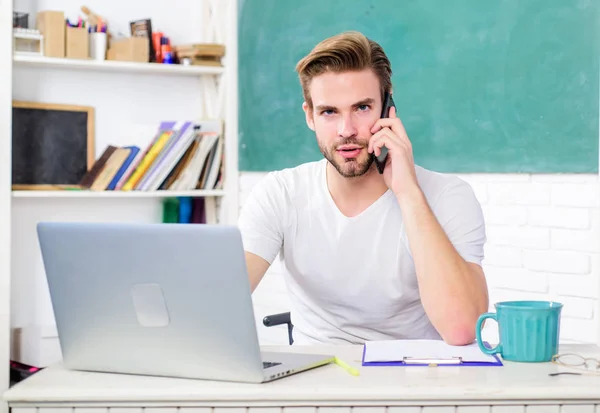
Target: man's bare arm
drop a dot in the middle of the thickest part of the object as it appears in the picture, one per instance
(453, 291)
(257, 267)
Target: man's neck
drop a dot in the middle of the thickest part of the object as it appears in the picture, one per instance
(353, 195)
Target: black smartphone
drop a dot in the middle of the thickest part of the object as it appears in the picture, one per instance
(380, 160)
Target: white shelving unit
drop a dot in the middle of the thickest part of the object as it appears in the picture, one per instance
(211, 93)
(218, 90)
(5, 198)
(115, 66)
(116, 194)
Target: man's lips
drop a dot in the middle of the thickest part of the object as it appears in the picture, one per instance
(349, 151)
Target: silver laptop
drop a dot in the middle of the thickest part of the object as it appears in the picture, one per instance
(158, 299)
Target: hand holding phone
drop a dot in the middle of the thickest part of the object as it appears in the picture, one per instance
(390, 139)
(380, 160)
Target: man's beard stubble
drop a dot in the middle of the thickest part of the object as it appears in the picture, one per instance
(348, 168)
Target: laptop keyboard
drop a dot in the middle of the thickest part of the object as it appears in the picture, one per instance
(267, 364)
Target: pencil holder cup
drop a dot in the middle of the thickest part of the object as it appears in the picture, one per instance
(528, 330)
(98, 46)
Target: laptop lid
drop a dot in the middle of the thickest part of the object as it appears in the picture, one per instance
(157, 299)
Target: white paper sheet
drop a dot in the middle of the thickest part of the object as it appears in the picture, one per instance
(398, 350)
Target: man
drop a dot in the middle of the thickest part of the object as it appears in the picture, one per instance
(367, 256)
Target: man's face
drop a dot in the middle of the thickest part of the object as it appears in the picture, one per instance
(345, 107)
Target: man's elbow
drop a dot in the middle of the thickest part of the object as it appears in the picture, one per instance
(460, 329)
(460, 332)
(459, 335)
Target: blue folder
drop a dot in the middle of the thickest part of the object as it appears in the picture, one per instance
(454, 361)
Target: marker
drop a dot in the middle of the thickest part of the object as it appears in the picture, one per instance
(345, 366)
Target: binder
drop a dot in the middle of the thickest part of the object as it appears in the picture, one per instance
(425, 353)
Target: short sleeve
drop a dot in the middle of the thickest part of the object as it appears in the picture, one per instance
(460, 214)
(261, 217)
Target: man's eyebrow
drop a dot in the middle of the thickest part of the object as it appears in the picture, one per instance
(321, 108)
(367, 101)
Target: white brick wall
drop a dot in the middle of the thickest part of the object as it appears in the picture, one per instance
(543, 243)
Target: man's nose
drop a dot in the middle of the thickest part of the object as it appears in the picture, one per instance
(346, 127)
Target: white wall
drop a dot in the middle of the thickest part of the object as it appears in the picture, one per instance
(543, 243)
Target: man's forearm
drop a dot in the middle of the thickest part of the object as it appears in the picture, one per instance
(453, 291)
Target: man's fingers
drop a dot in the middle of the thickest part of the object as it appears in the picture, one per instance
(394, 124)
(384, 137)
(385, 131)
(376, 137)
(393, 112)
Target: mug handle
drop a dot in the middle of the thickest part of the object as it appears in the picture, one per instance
(482, 347)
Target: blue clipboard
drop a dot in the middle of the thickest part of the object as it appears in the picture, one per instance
(455, 361)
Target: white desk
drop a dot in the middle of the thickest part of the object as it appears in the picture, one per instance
(330, 389)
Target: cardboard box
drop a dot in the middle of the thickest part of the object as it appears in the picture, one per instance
(77, 43)
(130, 49)
(52, 25)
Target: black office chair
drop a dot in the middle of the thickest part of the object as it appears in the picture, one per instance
(279, 319)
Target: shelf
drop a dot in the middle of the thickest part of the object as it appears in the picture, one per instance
(115, 194)
(116, 66)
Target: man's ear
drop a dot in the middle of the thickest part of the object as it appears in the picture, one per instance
(310, 121)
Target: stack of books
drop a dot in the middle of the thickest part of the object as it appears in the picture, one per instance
(181, 156)
(203, 54)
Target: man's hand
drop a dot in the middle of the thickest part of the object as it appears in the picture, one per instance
(399, 173)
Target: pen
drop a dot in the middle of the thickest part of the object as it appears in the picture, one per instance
(345, 366)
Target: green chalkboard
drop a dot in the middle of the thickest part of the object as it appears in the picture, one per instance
(481, 86)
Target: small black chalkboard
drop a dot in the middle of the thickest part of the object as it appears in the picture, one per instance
(52, 144)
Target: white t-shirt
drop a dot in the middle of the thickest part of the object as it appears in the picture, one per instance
(352, 279)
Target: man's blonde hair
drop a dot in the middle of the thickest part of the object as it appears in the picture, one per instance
(348, 51)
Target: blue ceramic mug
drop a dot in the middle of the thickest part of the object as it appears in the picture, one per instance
(528, 330)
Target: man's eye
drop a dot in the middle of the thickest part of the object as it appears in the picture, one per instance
(363, 107)
(327, 112)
